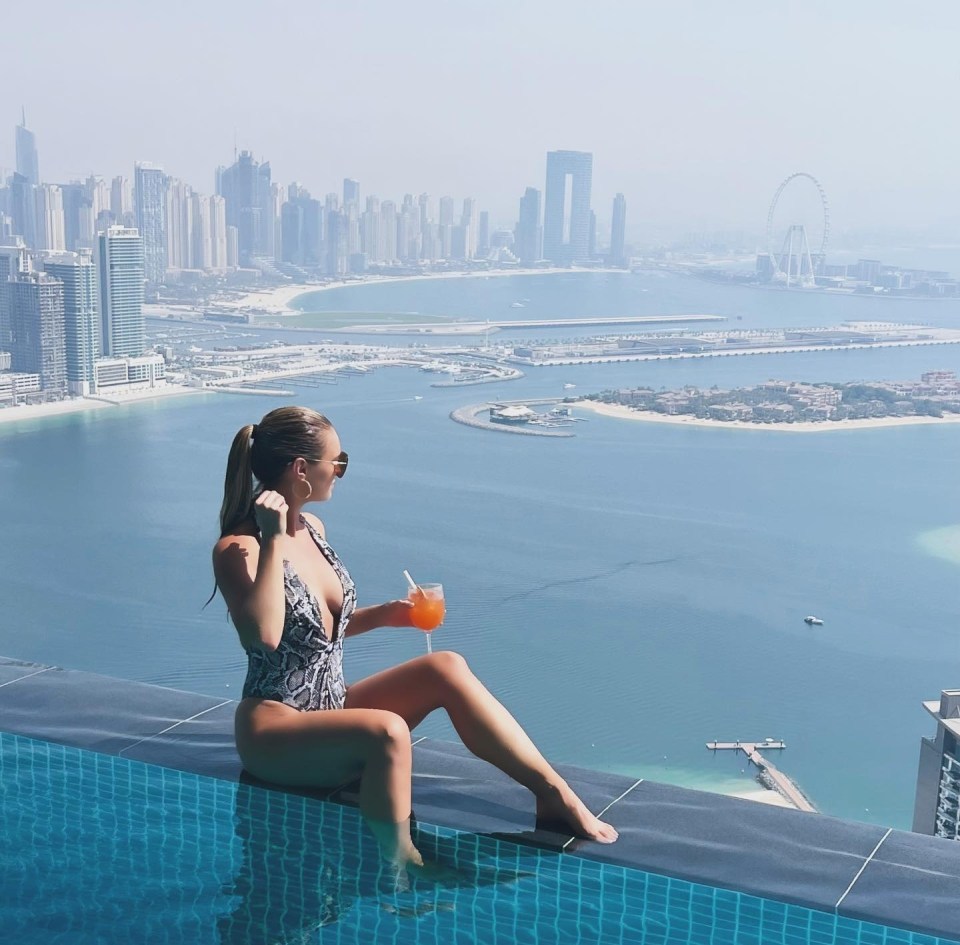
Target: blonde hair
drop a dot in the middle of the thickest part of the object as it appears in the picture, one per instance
(261, 451)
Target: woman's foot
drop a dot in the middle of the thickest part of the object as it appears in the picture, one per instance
(564, 806)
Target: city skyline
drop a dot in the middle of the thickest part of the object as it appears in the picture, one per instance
(686, 109)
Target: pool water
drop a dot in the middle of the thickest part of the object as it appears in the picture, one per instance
(100, 849)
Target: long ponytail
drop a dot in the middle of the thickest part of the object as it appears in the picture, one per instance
(260, 453)
(238, 482)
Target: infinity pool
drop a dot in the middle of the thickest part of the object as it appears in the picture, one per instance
(101, 849)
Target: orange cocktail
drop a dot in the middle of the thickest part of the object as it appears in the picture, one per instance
(428, 607)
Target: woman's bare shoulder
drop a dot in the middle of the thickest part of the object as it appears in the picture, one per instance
(315, 522)
(243, 537)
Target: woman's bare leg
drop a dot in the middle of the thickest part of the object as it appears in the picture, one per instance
(326, 749)
(443, 680)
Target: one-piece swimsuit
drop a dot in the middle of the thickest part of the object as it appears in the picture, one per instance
(306, 669)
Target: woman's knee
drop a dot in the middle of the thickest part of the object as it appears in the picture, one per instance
(449, 666)
(388, 734)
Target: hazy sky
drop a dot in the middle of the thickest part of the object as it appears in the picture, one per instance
(695, 110)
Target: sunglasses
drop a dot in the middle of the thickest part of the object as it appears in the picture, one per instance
(339, 464)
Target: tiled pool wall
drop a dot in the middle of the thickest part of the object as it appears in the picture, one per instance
(718, 861)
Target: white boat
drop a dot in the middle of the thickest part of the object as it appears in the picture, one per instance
(516, 305)
(569, 386)
(417, 397)
(813, 621)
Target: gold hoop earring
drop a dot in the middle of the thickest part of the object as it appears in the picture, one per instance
(305, 498)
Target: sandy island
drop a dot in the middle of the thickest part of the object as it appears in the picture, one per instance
(648, 416)
(95, 402)
(278, 300)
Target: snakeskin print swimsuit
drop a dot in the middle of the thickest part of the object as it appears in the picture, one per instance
(306, 669)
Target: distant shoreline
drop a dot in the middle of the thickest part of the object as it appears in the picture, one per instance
(22, 412)
(621, 412)
(278, 300)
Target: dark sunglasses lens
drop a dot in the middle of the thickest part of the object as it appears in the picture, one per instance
(342, 459)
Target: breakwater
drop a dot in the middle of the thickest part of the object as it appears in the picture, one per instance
(470, 416)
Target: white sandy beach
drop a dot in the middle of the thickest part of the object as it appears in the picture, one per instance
(763, 796)
(96, 402)
(277, 300)
(649, 416)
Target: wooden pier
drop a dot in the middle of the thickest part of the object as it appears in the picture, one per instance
(770, 776)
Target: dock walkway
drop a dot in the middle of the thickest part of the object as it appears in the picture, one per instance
(770, 775)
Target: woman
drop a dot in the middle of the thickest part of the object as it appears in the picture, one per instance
(292, 602)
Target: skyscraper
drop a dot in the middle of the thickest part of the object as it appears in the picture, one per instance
(48, 202)
(246, 189)
(36, 317)
(618, 231)
(81, 316)
(351, 192)
(218, 234)
(13, 261)
(23, 208)
(562, 243)
(77, 218)
(150, 185)
(121, 200)
(27, 164)
(937, 807)
(483, 234)
(528, 241)
(120, 274)
(179, 217)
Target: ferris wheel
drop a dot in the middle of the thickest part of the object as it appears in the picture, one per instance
(793, 262)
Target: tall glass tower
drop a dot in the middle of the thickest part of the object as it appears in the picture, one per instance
(565, 242)
(150, 184)
(81, 315)
(120, 281)
(27, 163)
(36, 304)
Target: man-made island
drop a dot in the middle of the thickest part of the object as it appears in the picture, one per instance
(791, 405)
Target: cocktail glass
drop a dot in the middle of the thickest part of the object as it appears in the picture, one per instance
(428, 608)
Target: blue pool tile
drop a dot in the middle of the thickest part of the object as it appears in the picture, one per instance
(912, 881)
(99, 713)
(794, 857)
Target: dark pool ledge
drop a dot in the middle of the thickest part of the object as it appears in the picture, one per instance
(861, 871)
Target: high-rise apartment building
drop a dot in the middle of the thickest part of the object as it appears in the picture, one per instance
(13, 261)
(566, 222)
(150, 185)
(218, 234)
(179, 216)
(937, 806)
(49, 227)
(81, 316)
(528, 247)
(246, 189)
(200, 253)
(351, 192)
(483, 234)
(23, 208)
(28, 165)
(618, 230)
(120, 275)
(121, 200)
(37, 326)
(77, 217)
